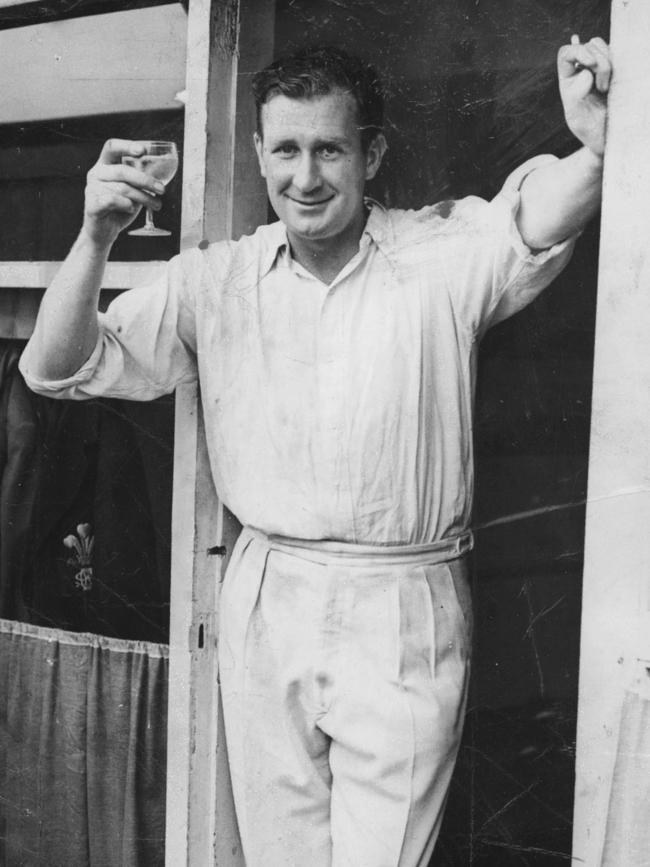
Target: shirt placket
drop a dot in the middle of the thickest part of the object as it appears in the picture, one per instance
(332, 476)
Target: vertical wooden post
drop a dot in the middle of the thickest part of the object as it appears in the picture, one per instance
(223, 196)
(615, 624)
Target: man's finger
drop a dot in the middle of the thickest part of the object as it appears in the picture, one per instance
(603, 72)
(566, 61)
(120, 200)
(586, 68)
(116, 148)
(110, 202)
(139, 196)
(123, 204)
(119, 191)
(600, 44)
(574, 56)
(573, 59)
(126, 174)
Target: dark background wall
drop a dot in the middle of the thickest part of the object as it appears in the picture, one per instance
(472, 92)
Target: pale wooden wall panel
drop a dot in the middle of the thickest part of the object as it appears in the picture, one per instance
(614, 632)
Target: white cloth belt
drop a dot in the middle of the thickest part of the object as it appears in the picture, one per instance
(324, 550)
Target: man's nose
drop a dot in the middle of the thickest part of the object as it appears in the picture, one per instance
(307, 176)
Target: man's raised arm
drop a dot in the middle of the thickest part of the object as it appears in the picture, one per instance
(558, 200)
(66, 330)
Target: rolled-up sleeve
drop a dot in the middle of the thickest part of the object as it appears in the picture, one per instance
(146, 345)
(490, 270)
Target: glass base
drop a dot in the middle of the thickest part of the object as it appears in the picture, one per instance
(144, 232)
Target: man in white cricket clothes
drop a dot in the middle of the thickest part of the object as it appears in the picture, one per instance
(335, 350)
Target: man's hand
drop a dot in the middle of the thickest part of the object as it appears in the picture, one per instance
(558, 199)
(66, 329)
(115, 193)
(584, 72)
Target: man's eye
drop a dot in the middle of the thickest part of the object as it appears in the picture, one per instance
(329, 151)
(285, 150)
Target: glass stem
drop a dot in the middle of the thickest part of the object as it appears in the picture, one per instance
(148, 220)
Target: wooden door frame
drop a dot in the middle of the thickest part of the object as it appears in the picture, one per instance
(223, 196)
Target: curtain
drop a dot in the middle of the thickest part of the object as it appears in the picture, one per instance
(82, 749)
(103, 465)
(18, 479)
(627, 837)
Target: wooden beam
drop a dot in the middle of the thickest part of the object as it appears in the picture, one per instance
(210, 120)
(195, 759)
(38, 275)
(201, 826)
(615, 632)
(197, 775)
(22, 285)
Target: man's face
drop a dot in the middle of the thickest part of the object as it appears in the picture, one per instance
(311, 156)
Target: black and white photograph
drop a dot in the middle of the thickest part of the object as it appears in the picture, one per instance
(324, 433)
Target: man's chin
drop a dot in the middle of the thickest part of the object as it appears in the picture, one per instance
(312, 230)
(308, 221)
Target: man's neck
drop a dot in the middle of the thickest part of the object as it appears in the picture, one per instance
(326, 257)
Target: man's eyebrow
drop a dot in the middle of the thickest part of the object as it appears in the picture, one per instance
(340, 140)
(283, 139)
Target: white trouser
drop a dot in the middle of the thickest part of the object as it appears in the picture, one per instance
(344, 675)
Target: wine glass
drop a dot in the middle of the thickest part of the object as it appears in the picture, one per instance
(160, 161)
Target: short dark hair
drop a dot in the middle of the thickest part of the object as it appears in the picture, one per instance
(321, 70)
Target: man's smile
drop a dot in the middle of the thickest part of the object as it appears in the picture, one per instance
(310, 204)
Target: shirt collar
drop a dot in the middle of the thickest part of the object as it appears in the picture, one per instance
(276, 240)
(378, 228)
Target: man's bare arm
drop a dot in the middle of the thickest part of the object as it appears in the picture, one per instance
(559, 199)
(66, 330)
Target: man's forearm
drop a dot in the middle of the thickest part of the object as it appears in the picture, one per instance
(559, 199)
(66, 328)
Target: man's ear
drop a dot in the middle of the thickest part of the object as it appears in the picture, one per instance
(259, 147)
(375, 154)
